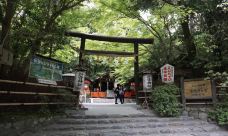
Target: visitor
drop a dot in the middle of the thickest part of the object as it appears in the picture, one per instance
(117, 93)
(122, 94)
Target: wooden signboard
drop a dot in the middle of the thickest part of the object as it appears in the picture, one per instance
(45, 68)
(167, 73)
(200, 89)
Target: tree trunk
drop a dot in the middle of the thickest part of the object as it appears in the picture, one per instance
(6, 24)
(4, 39)
(188, 40)
(34, 49)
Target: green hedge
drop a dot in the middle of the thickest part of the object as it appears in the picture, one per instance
(220, 114)
(164, 100)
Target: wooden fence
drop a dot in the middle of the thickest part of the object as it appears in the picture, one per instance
(15, 93)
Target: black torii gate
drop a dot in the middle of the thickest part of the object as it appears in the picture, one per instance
(135, 41)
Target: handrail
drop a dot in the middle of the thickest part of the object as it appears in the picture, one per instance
(35, 84)
(21, 104)
(35, 93)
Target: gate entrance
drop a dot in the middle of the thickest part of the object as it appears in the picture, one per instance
(134, 41)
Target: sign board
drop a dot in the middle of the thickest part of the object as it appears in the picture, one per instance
(6, 57)
(198, 89)
(167, 73)
(45, 68)
(147, 81)
(79, 80)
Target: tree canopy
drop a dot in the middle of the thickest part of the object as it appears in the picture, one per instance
(190, 34)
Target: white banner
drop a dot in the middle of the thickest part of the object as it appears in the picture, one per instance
(167, 73)
(79, 80)
(147, 81)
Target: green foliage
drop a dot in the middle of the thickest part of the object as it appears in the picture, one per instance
(124, 71)
(38, 27)
(221, 78)
(220, 113)
(164, 100)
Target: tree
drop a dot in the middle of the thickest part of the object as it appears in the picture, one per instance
(36, 29)
(7, 11)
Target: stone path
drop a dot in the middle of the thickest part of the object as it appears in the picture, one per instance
(110, 100)
(124, 120)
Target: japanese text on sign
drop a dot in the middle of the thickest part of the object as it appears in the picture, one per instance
(197, 89)
(167, 73)
(79, 80)
(45, 68)
(147, 81)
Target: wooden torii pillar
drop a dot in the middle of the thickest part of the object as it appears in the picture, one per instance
(135, 41)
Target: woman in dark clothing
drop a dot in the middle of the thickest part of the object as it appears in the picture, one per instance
(117, 93)
(121, 94)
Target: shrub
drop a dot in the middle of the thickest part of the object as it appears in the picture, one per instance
(220, 113)
(164, 100)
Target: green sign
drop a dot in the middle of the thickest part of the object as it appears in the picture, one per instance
(45, 68)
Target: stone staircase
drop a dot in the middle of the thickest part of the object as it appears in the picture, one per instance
(127, 125)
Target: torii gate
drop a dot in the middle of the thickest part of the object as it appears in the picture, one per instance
(135, 41)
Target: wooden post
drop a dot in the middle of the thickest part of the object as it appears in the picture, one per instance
(81, 54)
(183, 100)
(214, 94)
(136, 71)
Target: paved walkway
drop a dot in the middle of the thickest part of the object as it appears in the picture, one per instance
(112, 109)
(109, 100)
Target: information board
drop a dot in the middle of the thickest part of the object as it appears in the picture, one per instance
(198, 89)
(45, 68)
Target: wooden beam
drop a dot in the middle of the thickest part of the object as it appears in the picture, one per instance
(183, 99)
(136, 71)
(110, 38)
(27, 104)
(34, 84)
(81, 55)
(109, 53)
(214, 92)
(36, 93)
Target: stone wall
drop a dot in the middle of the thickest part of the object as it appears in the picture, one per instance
(199, 111)
(17, 128)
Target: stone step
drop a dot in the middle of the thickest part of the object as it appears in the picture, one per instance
(109, 116)
(214, 133)
(123, 125)
(119, 120)
(159, 131)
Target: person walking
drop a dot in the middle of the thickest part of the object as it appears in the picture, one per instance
(122, 94)
(117, 93)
